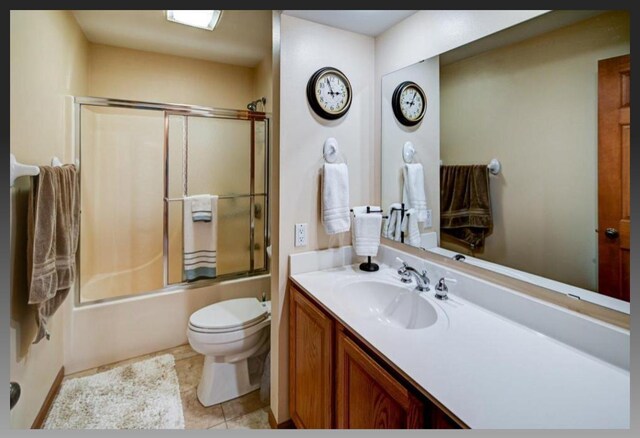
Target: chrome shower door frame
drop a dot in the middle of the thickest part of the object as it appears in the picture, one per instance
(187, 111)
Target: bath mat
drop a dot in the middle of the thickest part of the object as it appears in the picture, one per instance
(141, 395)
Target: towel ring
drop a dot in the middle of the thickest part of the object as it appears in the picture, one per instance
(408, 152)
(330, 150)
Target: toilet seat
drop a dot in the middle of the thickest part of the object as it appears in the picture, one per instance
(229, 316)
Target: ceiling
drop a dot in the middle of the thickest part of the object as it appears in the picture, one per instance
(371, 23)
(241, 37)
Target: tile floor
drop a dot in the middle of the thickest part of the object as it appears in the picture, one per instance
(246, 412)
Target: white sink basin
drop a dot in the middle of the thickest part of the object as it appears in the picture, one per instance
(392, 304)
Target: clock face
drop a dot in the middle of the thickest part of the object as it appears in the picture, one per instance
(329, 93)
(332, 93)
(409, 103)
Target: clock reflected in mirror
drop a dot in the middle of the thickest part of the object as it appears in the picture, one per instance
(409, 103)
(329, 93)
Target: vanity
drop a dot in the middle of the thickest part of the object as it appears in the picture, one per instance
(368, 351)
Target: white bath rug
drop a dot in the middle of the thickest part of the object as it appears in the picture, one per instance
(142, 395)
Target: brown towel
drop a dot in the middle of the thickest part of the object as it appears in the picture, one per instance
(53, 216)
(465, 203)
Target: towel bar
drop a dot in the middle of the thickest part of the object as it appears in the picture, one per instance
(222, 197)
(494, 166)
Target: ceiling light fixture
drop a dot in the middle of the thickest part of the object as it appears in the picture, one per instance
(200, 19)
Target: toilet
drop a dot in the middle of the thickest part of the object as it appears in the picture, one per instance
(233, 336)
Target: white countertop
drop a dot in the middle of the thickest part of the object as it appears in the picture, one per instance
(488, 370)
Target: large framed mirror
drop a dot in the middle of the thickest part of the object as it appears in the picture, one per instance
(524, 153)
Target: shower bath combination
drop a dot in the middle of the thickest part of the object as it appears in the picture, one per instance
(252, 106)
(186, 152)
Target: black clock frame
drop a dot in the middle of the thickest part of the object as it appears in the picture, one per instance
(395, 103)
(313, 100)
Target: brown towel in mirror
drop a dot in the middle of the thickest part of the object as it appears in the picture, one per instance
(465, 203)
(52, 240)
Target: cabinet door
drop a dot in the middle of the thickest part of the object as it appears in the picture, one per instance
(368, 397)
(310, 364)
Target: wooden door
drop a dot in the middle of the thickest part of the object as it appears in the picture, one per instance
(368, 397)
(614, 219)
(310, 364)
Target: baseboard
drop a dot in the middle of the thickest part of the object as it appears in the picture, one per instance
(48, 401)
(288, 424)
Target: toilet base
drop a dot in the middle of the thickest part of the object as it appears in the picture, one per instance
(222, 381)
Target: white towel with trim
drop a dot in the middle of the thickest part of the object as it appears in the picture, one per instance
(365, 236)
(200, 242)
(410, 228)
(413, 189)
(201, 208)
(335, 198)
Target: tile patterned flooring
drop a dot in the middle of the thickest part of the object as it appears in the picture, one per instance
(246, 412)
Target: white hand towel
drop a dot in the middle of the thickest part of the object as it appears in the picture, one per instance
(200, 242)
(201, 208)
(413, 191)
(335, 198)
(391, 229)
(365, 236)
(410, 228)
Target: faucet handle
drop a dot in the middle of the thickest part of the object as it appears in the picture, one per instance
(442, 289)
(404, 264)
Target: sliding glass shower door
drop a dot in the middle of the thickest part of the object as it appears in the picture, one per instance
(121, 181)
(138, 165)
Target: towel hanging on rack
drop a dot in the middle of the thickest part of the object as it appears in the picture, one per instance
(52, 240)
(200, 242)
(413, 190)
(465, 203)
(335, 198)
(365, 236)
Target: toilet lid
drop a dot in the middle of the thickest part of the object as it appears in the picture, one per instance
(229, 314)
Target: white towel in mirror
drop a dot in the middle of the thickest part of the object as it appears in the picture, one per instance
(413, 194)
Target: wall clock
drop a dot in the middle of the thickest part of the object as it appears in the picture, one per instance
(329, 93)
(409, 103)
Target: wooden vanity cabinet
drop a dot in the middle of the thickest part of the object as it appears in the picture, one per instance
(335, 381)
(367, 397)
(311, 334)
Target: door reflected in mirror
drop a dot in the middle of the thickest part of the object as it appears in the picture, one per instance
(549, 99)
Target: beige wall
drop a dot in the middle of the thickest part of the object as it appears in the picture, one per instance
(136, 75)
(306, 47)
(48, 55)
(263, 82)
(533, 106)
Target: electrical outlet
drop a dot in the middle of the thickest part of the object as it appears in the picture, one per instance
(428, 223)
(301, 235)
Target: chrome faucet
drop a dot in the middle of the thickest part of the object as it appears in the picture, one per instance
(406, 272)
